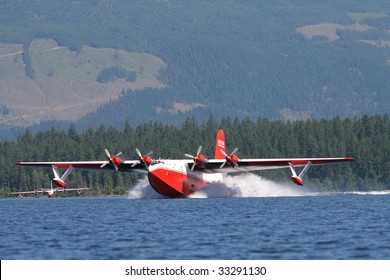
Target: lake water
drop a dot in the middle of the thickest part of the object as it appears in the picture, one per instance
(229, 222)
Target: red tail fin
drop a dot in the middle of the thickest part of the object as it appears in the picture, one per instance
(219, 145)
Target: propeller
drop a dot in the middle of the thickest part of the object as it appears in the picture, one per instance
(115, 161)
(199, 160)
(146, 160)
(231, 159)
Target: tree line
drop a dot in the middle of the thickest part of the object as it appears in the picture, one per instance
(366, 138)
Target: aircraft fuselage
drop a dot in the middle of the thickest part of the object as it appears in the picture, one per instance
(174, 178)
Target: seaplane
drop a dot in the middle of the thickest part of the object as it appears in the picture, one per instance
(51, 193)
(182, 177)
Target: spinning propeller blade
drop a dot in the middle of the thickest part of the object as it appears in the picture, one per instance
(199, 160)
(146, 160)
(115, 161)
(230, 159)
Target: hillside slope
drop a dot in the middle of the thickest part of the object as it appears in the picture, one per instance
(63, 84)
(282, 60)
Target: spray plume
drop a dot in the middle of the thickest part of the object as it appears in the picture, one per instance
(245, 185)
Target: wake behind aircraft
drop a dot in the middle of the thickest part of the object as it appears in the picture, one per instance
(182, 177)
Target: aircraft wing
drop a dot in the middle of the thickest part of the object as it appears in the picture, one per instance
(76, 189)
(127, 165)
(28, 192)
(68, 190)
(244, 165)
(42, 191)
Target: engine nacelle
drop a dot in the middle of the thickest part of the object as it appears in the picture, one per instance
(147, 160)
(116, 160)
(234, 158)
(297, 180)
(200, 160)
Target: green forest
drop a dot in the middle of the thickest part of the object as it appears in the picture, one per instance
(366, 138)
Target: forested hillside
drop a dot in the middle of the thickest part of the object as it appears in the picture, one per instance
(282, 60)
(366, 138)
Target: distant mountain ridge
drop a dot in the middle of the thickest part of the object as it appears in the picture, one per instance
(280, 60)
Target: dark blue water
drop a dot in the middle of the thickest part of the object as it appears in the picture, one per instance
(306, 227)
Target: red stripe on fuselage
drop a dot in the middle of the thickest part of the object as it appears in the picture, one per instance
(173, 183)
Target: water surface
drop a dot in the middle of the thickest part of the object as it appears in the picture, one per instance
(337, 226)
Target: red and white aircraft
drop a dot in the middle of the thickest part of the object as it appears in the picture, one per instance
(51, 193)
(182, 177)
